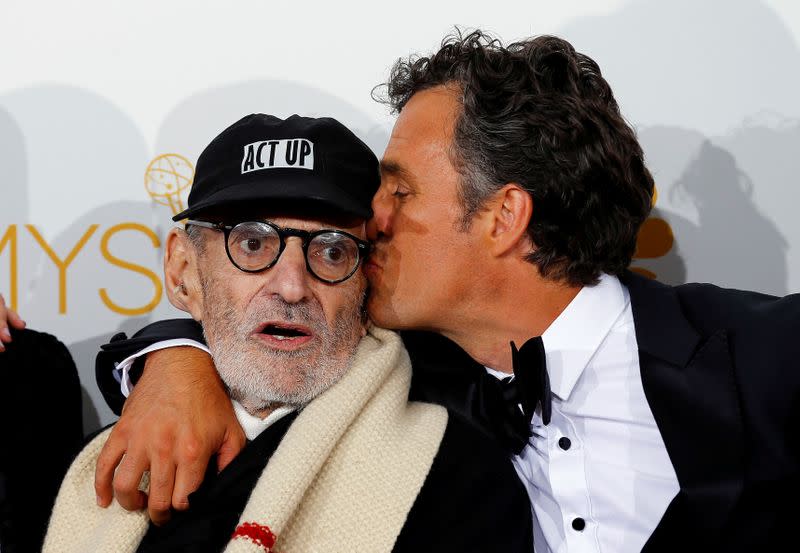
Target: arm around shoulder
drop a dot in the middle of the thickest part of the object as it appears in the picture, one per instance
(121, 347)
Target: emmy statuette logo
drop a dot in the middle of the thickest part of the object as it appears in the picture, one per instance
(167, 180)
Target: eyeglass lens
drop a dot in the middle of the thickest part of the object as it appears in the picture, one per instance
(254, 246)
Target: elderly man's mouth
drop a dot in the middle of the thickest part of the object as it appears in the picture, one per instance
(284, 336)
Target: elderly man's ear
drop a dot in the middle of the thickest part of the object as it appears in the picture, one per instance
(181, 277)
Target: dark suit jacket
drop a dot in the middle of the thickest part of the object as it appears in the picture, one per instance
(721, 372)
(471, 501)
(41, 431)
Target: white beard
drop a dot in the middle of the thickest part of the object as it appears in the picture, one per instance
(258, 376)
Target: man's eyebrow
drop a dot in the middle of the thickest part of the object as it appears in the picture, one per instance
(392, 168)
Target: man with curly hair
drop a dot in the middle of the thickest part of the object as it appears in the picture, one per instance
(639, 416)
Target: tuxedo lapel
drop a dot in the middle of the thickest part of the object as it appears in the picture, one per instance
(690, 385)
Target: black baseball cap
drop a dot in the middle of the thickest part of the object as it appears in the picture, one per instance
(262, 158)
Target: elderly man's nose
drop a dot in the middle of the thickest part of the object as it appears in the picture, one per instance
(290, 279)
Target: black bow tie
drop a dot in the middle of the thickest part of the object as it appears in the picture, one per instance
(519, 395)
(531, 383)
(445, 374)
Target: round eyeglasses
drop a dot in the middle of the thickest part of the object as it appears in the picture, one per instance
(332, 256)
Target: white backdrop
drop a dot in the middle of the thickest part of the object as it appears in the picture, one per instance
(99, 98)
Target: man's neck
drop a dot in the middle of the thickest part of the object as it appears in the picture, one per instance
(513, 309)
(258, 409)
(256, 420)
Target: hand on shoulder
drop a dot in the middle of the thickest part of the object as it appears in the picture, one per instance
(8, 319)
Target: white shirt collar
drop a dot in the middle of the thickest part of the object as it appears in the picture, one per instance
(252, 425)
(574, 337)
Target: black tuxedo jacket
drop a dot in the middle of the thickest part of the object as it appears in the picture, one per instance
(721, 372)
(41, 431)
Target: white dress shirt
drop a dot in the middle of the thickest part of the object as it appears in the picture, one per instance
(598, 476)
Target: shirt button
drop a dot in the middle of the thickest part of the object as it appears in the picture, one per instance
(578, 524)
(564, 443)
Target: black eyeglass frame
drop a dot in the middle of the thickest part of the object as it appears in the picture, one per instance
(283, 233)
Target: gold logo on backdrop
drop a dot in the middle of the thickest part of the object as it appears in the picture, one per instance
(167, 179)
(655, 240)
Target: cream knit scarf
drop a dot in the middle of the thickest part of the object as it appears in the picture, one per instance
(343, 478)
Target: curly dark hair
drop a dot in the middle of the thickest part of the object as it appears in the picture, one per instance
(539, 114)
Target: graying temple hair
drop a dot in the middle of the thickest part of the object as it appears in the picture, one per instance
(197, 238)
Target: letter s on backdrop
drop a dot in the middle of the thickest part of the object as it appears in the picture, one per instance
(158, 288)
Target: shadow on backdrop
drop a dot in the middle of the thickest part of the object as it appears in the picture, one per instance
(76, 162)
(13, 172)
(737, 239)
(92, 273)
(721, 145)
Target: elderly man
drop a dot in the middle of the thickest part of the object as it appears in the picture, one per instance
(640, 416)
(338, 458)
